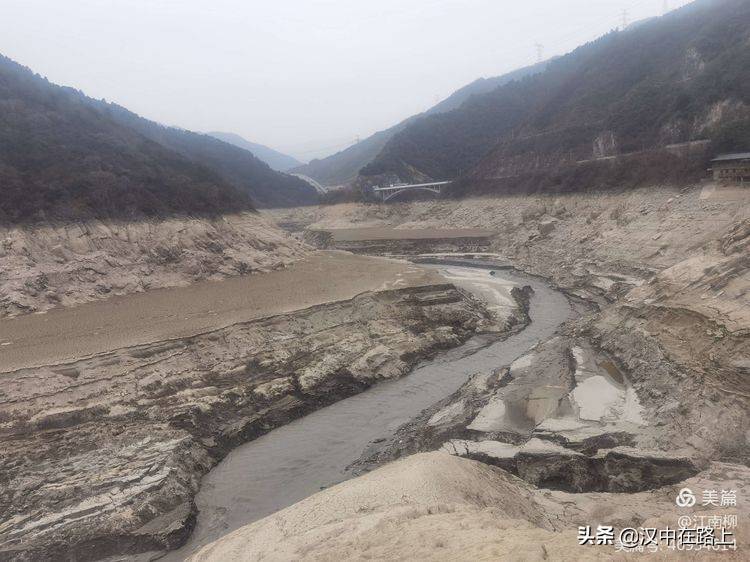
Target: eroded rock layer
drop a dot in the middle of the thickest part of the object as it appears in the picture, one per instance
(668, 271)
(104, 454)
(50, 265)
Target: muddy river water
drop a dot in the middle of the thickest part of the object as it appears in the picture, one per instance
(302, 457)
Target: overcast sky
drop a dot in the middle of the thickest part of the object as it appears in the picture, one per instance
(303, 76)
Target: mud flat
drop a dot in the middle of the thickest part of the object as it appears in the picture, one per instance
(50, 265)
(668, 268)
(102, 453)
(173, 313)
(379, 240)
(644, 394)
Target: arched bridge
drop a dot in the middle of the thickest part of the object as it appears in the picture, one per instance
(387, 193)
(319, 188)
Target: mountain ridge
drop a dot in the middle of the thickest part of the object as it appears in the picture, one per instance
(683, 77)
(344, 166)
(62, 159)
(275, 159)
(237, 166)
(66, 156)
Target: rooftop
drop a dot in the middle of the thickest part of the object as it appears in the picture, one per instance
(730, 157)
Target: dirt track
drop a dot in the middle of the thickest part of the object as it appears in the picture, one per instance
(162, 314)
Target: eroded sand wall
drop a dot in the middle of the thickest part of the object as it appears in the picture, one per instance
(668, 268)
(45, 266)
(104, 454)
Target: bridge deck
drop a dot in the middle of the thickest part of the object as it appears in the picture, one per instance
(399, 187)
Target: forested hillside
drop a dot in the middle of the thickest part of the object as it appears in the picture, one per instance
(266, 187)
(682, 77)
(344, 166)
(62, 159)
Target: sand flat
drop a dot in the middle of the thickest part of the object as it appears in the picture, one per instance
(68, 333)
(384, 233)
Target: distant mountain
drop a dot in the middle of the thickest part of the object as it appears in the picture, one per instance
(682, 77)
(275, 159)
(63, 158)
(344, 166)
(267, 187)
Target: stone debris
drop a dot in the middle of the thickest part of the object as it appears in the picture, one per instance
(104, 455)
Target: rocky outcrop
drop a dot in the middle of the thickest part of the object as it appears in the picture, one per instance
(547, 465)
(561, 417)
(668, 271)
(45, 266)
(561, 393)
(409, 242)
(104, 455)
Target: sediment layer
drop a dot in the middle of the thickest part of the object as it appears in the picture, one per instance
(668, 270)
(104, 455)
(434, 506)
(51, 265)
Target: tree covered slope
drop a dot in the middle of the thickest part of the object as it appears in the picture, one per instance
(682, 77)
(266, 186)
(62, 159)
(64, 156)
(344, 166)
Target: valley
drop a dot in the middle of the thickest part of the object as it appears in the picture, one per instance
(138, 403)
(153, 393)
(514, 325)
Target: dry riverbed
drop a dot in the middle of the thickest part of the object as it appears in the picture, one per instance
(174, 313)
(104, 442)
(46, 265)
(646, 393)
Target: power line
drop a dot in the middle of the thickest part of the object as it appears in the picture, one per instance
(575, 33)
(539, 52)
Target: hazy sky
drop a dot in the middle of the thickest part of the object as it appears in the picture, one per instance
(303, 76)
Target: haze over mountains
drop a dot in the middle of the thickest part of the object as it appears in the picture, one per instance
(153, 322)
(237, 166)
(662, 81)
(679, 78)
(275, 159)
(64, 156)
(683, 77)
(60, 158)
(344, 166)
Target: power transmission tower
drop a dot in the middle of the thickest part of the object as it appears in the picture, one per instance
(665, 8)
(624, 18)
(539, 52)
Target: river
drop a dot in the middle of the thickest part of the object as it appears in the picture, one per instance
(299, 459)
